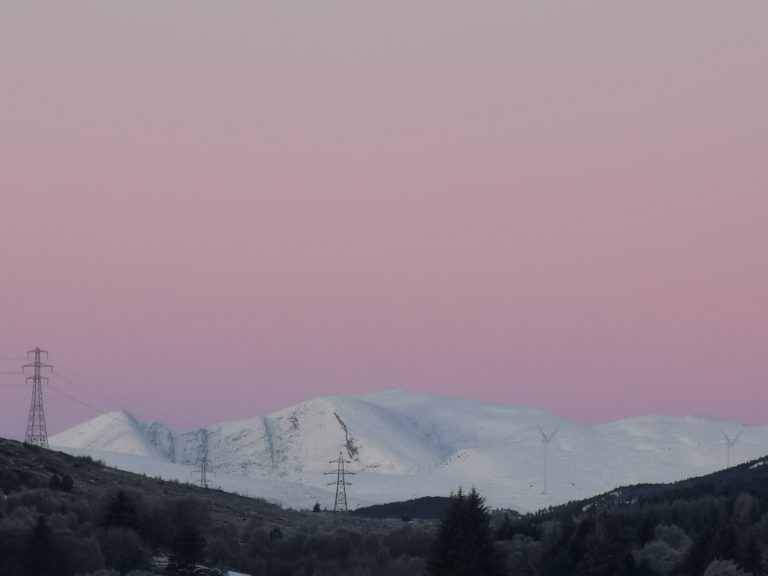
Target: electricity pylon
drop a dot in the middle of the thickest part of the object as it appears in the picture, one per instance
(729, 445)
(203, 464)
(37, 433)
(203, 468)
(546, 440)
(340, 505)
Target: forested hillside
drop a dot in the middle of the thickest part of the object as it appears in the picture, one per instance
(67, 516)
(714, 525)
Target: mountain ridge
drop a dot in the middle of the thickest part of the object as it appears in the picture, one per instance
(405, 445)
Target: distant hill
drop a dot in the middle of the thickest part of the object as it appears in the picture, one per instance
(404, 446)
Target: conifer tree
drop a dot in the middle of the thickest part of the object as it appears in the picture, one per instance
(40, 556)
(463, 545)
(186, 551)
(121, 511)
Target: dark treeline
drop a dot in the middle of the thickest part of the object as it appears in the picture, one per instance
(428, 508)
(45, 533)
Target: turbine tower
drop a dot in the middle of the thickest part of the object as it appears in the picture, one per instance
(546, 439)
(340, 505)
(729, 445)
(37, 433)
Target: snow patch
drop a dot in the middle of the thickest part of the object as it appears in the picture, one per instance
(407, 445)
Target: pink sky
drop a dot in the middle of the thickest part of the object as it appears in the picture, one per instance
(214, 210)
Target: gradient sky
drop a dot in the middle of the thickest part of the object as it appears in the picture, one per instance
(211, 210)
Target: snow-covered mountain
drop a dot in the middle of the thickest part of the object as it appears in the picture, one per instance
(405, 445)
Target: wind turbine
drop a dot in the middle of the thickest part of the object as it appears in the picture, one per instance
(729, 444)
(546, 440)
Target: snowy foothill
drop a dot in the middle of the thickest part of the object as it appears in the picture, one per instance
(405, 445)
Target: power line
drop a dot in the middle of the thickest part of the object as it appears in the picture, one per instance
(81, 384)
(76, 406)
(84, 382)
(110, 395)
(73, 399)
(97, 411)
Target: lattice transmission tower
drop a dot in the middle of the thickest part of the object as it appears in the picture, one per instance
(340, 505)
(203, 467)
(37, 432)
(203, 463)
